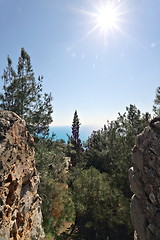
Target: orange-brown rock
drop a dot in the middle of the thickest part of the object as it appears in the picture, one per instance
(20, 212)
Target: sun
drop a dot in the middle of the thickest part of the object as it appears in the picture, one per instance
(107, 18)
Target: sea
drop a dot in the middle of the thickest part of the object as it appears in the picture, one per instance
(61, 132)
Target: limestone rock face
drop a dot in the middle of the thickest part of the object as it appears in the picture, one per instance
(144, 179)
(20, 212)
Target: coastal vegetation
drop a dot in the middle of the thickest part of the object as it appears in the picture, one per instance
(84, 187)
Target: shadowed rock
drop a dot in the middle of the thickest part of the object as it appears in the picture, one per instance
(144, 178)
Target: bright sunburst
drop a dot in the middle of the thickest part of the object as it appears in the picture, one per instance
(106, 17)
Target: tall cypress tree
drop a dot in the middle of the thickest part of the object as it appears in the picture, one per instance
(75, 128)
(23, 95)
(74, 145)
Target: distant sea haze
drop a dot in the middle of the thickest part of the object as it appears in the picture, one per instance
(62, 131)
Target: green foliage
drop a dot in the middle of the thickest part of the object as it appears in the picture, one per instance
(50, 158)
(23, 95)
(100, 211)
(57, 204)
(109, 149)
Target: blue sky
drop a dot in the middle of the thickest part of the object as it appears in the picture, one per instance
(97, 74)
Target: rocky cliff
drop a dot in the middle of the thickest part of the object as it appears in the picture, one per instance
(144, 179)
(20, 212)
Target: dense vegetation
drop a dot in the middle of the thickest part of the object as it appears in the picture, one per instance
(84, 188)
(92, 197)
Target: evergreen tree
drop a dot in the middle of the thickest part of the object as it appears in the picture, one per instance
(109, 149)
(74, 144)
(23, 95)
(75, 129)
(156, 106)
(100, 211)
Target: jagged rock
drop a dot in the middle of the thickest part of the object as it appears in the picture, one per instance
(144, 177)
(138, 218)
(20, 212)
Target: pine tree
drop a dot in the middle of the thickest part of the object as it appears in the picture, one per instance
(23, 95)
(156, 106)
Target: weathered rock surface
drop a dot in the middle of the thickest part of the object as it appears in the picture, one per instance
(20, 212)
(144, 179)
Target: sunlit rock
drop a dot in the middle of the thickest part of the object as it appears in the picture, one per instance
(20, 212)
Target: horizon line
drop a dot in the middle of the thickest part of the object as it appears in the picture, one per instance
(88, 125)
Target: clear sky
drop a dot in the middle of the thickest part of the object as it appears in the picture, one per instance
(95, 64)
